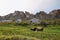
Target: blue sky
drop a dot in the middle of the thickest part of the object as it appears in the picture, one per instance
(33, 6)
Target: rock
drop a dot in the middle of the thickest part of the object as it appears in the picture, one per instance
(55, 14)
(41, 15)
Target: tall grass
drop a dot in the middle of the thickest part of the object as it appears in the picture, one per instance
(10, 31)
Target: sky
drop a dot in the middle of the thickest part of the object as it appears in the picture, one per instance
(32, 6)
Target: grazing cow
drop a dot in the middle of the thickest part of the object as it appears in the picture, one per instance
(39, 29)
(33, 29)
(44, 24)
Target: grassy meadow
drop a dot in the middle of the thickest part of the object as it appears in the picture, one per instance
(12, 31)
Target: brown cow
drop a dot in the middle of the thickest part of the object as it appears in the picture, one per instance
(37, 28)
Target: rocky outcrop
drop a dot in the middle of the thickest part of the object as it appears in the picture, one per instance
(18, 15)
(15, 15)
(29, 15)
(54, 14)
(41, 15)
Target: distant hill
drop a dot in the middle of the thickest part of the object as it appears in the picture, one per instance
(54, 14)
(41, 15)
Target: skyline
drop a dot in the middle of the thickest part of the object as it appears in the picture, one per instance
(32, 6)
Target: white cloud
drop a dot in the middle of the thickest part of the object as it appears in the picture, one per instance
(7, 6)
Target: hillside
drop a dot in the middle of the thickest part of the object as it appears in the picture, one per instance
(54, 14)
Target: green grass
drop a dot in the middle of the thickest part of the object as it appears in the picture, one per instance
(11, 30)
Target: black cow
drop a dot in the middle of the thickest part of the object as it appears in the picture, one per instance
(44, 24)
(34, 29)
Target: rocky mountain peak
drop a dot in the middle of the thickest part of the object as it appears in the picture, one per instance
(54, 14)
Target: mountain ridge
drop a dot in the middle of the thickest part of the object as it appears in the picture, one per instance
(54, 14)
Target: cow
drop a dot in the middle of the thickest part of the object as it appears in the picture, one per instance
(44, 24)
(33, 29)
(37, 29)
